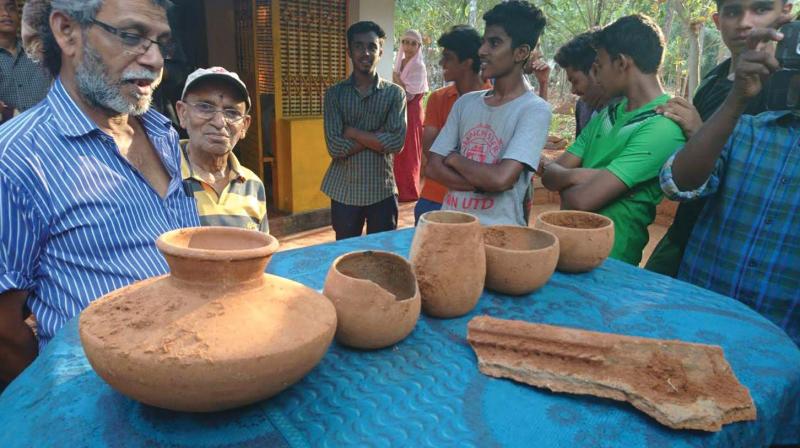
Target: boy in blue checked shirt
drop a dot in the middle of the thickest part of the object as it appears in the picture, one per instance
(746, 243)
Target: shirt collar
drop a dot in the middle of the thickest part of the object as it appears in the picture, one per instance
(186, 168)
(378, 82)
(71, 121)
(720, 71)
(20, 50)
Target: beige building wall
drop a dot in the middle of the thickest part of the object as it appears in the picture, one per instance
(382, 13)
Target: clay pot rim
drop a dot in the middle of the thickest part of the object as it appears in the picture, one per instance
(338, 259)
(520, 251)
(165, 245)
(472, 218)
(608, 222)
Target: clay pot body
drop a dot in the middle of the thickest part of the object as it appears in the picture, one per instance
(376, 298)
(449, 261)
(214, 334)
(519, 260)
(585, 238)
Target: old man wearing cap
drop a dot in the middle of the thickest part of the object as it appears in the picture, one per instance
(214, 111)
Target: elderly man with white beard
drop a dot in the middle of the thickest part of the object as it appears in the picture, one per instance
(90, 177)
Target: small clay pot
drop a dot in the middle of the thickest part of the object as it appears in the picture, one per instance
(376, 298)
(585, 238)
(449, 261)
(519, 260)
(215, 333)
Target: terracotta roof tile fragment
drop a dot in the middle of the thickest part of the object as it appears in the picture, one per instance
(681, 385)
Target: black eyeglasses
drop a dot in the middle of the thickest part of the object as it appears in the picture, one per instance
(206, 111)
(136, 43)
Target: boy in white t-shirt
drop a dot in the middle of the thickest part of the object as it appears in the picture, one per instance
(489, 148)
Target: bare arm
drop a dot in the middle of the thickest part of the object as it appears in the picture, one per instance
(556, 175)
(593, 190)
(18, 347)
(581, 188)
(696, 161)
(438, 171)
(491, 178)
(429, 134)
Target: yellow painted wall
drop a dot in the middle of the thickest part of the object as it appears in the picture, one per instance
(302, 144)
(283, 160)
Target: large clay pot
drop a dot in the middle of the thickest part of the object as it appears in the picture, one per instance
(519, 260)
(450, 262)
(214, 334)
(585, 238)
(376, 298)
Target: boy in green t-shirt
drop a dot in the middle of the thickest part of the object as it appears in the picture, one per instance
(612, 168)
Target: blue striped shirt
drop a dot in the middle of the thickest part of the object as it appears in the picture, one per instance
(746, 243)
(77, 219)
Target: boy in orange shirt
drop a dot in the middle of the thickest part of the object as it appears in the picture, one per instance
(461, 66)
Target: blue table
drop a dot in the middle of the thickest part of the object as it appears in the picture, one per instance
(427, 391)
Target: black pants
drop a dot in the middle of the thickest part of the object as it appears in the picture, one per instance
(348, 220)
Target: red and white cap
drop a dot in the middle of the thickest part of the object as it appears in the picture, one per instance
(220, 74)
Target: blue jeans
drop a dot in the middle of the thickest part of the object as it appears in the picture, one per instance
(423, 206)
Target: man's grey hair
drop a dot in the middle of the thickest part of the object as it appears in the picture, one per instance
(83, 12)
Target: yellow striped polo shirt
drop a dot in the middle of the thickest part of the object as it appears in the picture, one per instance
(241, 204)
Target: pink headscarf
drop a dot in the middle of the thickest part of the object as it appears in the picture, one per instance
(414, 75)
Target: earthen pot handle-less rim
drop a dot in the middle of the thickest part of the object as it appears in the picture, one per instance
(448, 218)
(215, 243)
(377, 290)
(553, 238)
(608, 223)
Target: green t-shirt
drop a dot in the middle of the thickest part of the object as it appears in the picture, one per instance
(633, 146)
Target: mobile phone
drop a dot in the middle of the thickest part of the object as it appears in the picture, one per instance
(788, 50)
(782, 90)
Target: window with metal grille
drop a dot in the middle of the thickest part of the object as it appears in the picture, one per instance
(313, 45)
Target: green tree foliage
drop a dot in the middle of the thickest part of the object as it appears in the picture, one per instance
(691, 35)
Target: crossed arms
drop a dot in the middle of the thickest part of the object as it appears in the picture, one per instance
(345, 141)
(581, 188)
(457, 172)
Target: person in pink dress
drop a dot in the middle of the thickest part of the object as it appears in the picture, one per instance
(410, 74)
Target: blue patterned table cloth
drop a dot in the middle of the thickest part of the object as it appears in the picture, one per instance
(427, 390)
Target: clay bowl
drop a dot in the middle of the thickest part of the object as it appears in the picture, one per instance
(376, 298)
(214, 334)
(519, 260)
(585, 238)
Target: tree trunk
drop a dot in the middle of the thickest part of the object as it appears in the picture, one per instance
(695, 55)
(473, 13)
(599, 13)
(668, 18)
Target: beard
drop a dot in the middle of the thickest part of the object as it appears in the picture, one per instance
(98, 88)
